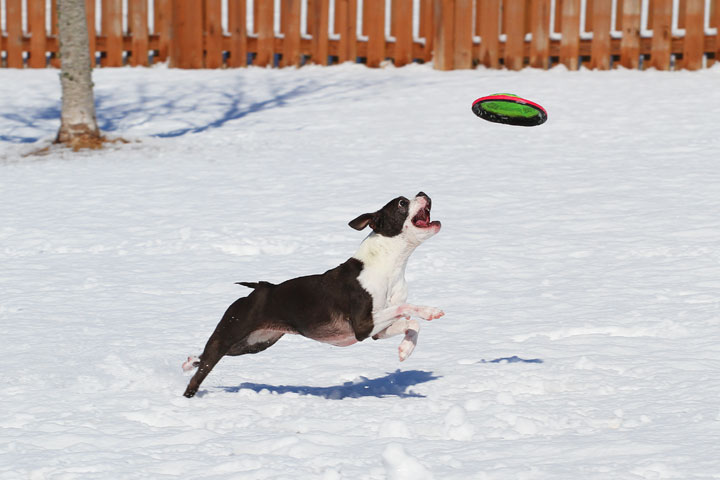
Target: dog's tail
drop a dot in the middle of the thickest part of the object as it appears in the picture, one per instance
(260, 284)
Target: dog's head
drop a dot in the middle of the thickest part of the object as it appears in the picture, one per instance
(401, 217)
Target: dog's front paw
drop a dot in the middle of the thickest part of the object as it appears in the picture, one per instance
(407, 345)
(405, 349)
(429, 313)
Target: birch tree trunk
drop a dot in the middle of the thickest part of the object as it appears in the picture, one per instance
(78, 127)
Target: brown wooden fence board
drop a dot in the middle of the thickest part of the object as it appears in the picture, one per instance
(237, 26)
(630, 44)
(463, 39)
(36, 23)
(489, 54)
(402, 14)
(662, 34)
(346, 25)
(112, 31)
(188, 33)
(347, 28)
(213, 34)
(600, 46)
(682, 12)
(138, 25)
(515, 45)
(55, 58)
(92, 29)
(13, 14)
(557, 27)
(310, 23)
(694, 35)
(570, 26)
(716, 15)
(426, 28)
(444, 42)
(162, 24)
(540, 29)
(264, 26)
(374, 25)
(255, 16)
(320, 16)
(291, 28)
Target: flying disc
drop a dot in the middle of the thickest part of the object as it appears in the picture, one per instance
(509, 109)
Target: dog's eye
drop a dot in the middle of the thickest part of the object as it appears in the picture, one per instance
(403, 203)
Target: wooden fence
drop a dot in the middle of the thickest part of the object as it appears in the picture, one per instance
(599, 34)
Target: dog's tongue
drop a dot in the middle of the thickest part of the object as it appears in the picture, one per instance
(422, 218)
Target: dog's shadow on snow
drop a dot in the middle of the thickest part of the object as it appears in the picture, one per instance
(513, 359)
(394, 384)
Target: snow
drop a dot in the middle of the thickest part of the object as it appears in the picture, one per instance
(578, 267)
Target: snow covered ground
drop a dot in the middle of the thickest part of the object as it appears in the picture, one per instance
(578, 266)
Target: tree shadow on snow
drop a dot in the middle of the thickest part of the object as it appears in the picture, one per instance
(391, 385)
(30, 119)
(199, 113)
(147, 108)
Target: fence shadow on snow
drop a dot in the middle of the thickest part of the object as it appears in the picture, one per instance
(394, 384)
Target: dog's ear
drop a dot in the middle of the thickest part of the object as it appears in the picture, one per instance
(364, 220)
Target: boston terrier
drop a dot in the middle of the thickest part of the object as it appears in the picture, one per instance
(363, 297)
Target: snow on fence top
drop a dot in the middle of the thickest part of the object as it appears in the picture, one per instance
(454, 34)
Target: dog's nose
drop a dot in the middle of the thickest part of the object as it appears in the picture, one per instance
(424, 195)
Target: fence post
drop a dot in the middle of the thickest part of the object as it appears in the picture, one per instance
(443, 58)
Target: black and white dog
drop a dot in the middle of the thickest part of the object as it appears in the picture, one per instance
(363, 297)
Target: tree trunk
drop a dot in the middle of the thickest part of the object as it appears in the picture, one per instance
(78, 127)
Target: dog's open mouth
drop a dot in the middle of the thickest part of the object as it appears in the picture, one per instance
(422, 219)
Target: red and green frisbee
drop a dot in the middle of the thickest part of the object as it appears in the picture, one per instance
(509, 109)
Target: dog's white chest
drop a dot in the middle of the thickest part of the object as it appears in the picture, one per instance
(383, 274)
(385, 290)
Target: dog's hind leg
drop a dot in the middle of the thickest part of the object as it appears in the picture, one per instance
(191, 363)
(214, 351)
(217, 347)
